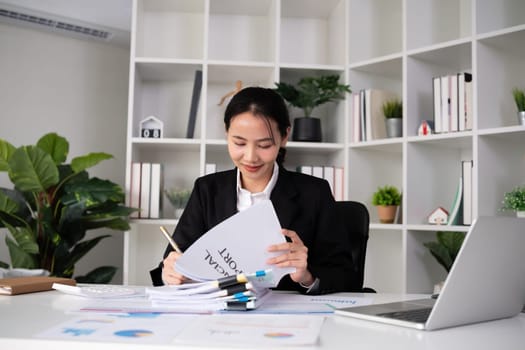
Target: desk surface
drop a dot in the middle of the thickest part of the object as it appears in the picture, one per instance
(33, 313)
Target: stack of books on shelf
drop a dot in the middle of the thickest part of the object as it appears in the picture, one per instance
(146, 190)
(334, 176)
(461, 210)
(368, 120)
(452, 102)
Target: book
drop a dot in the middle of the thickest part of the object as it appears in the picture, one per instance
(339, 182)
(467, 191)
(356, 118)
(362, 114)
(445, 104)
(195, 97)
(145, 183)
(155, 190)
(329, 176)
(30, 284)
(375, 119)
(469, 114)
(317, 171)
(453, 114)
(436, 88)
(454, 216)
(134, 193)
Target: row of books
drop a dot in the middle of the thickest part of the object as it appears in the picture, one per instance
(334, 176)
(452, 102)
(368, 120)
(461, 211)
(146, 190)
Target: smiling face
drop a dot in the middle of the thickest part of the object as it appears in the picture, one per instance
(253, 145)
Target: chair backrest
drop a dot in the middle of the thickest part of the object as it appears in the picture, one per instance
(356, 219)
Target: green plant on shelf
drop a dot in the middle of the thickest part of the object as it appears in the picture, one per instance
(514, 200)
(446, 247)
(178, 197)
(311, 92)
(519, 99)
(392, 108)
(386, 195)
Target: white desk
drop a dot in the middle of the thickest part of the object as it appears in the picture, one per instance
(33, 313)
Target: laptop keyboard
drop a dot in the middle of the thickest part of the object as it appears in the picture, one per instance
(416, 315)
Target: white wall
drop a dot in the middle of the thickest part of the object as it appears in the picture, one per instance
(77, 88)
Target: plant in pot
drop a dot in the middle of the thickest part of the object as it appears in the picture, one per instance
(309, 93)
(515, 201)
(393, 112)
(445, 249)
(52, 206)
(178, 199)
(386, 199)
(519, 99)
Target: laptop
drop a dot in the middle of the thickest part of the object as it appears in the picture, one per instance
(486, 282)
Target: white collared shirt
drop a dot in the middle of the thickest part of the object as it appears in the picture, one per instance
(246, 199)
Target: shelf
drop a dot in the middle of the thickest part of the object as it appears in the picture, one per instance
(396, 45)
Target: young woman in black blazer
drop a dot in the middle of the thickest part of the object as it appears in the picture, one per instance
(257, 128)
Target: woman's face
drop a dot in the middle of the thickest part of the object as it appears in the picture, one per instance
(253, 150)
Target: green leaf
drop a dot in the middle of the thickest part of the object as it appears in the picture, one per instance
(93, 192)
(54, 145)
(32, 169)
(24, 237)
(6, 151)
(79, 164)
(452, 241)
(4, 265)
(80, 250)
(19, 257)
(441, 254)
(7, 205)
(101, 275)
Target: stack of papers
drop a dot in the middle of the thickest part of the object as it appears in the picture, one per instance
(239, 292)
(228, 264)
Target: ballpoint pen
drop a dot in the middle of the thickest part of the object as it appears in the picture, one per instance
(172, 242)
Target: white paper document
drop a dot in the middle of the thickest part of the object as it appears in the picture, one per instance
(263, 330)
(237, 245)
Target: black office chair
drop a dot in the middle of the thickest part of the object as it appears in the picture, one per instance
(356, 219)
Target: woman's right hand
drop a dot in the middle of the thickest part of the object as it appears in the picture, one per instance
(169, 275)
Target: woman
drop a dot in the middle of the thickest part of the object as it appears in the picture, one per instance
(257, 129)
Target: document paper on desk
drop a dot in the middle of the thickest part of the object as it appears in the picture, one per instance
(236, 245)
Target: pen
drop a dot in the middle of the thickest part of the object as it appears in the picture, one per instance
(168, 237)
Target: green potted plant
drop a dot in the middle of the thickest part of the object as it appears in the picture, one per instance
(393, 112)
(178, 199)
(53, 204)
(386, 199)
(519, 99)
(515, 201)
(444, 250)
(309, 93)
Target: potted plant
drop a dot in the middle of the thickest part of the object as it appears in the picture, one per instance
(53, 204)
(386, 199)
(178, 199)
(515, 200)
(445, 249)
(393, 112)
(519, 99)
(309, 93)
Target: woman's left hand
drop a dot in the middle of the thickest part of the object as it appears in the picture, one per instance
(295, 254)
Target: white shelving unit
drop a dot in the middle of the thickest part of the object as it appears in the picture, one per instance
(397, 45)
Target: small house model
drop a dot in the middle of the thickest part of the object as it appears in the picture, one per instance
(425, 128)
(438, 217)
(151, 127)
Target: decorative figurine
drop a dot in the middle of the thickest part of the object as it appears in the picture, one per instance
(151, 127)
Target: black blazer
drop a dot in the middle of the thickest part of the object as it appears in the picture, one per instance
(303, 203)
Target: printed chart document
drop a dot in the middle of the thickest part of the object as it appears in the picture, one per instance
(247, 329)
(236, 245)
